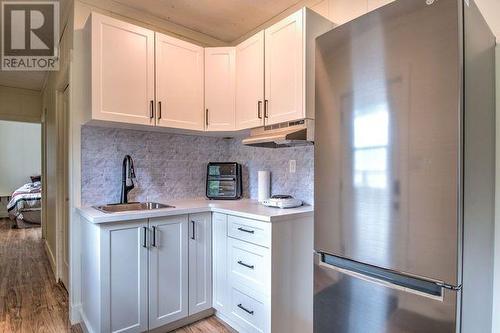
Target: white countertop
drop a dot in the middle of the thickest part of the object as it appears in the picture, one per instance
(244, 208)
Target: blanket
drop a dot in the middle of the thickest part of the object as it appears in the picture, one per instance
(27, 197)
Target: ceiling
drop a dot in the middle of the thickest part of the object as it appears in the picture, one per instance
(26, 80)
(221, 19)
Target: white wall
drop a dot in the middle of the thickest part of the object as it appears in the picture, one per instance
(20, 154)
(496, 282)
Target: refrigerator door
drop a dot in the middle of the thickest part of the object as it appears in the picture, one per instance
(351, 302)
(387, 140)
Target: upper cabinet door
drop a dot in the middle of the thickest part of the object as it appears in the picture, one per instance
(179, 83)
(284, 68)
(250, 82)
(168, 270)
(220, 88)
(122, 71)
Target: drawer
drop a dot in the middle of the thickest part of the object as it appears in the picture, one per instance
(251, 231)
(249, 265)
(249, 312)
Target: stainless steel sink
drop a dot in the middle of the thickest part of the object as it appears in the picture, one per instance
(133, 206)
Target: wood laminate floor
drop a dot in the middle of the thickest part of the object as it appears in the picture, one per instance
(31, 300)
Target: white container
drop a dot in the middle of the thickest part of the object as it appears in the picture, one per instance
(264, 185)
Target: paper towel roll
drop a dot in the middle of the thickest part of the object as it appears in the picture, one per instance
(264, 185)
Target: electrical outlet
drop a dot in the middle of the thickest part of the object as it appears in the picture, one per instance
(292, 166)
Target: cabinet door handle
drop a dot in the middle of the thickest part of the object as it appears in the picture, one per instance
(159, 110)
(193, 236)
(246, 230)
(151, 109)
(266, 108)
(145, 237)
(206, 117)
(245, 309)
(246, 265)
(259, 109)
(153, 243)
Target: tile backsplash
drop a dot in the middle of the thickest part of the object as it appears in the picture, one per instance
(173, 166)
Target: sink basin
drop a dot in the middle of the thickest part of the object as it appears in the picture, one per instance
(132, 206)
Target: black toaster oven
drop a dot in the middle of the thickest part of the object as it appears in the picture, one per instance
(223, 180)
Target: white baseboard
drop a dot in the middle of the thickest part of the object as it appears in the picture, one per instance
(75, 314)
(228, 321)
(52, 260)
(84, 323)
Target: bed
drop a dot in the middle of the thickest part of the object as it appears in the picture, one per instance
(25, 206)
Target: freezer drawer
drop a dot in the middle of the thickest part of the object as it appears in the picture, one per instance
(346, 301)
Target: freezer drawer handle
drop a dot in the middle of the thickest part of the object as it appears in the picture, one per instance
(246, 265)
(246, 230)
(245, 309)
(431, 288)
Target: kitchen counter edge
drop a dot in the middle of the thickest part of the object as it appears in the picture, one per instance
(243, 208)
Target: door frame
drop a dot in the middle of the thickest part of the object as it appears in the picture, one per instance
(62, 187)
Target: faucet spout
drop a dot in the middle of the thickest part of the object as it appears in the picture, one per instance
(128, 173)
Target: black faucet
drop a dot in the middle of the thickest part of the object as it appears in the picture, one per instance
(127, 173)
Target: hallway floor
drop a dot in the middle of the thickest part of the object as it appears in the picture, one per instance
(30, 299)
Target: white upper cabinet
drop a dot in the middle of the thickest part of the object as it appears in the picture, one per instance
(122, 73)
(289, 66)
(284, 70)
(179, 83)
(250, 82)
(220, 88)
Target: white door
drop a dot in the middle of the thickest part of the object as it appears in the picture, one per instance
(168, 270)
(200, 262)
(250, 82)
(124, 270)
(284, 68)
(179, 83)
(220, 88)
(219, 263)
(122, 71)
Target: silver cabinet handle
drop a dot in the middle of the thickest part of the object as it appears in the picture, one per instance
(193, 236)
(266, 108)
(246, 265)
(153, 243)
(151, 109)
(245, 309)
(206, 117)
(259, 109)
(145, 237)
(159, 110)
(246, 230)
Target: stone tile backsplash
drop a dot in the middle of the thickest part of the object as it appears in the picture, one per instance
(173, 166)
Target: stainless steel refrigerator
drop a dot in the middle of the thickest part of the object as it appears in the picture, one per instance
(404, 171)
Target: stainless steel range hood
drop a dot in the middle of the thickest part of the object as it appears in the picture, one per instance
(289, 134)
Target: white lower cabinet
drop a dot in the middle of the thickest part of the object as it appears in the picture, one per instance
(144, 274)
(200, 262)
(219, 263)
(124, 265)
(168, 270)
(263, 274)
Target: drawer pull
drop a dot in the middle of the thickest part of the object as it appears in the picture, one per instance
(246, 265)
(246, 230)
(245, 309)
